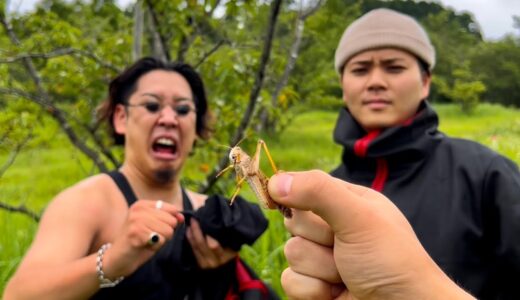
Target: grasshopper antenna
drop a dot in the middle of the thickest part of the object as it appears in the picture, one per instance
(223, 146)
(228, 167)
(241, 140)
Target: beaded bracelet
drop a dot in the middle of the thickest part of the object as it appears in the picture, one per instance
(103, 281)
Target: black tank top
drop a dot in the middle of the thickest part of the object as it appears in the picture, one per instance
(170, 273)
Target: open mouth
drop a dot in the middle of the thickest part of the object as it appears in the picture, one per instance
(165, 147)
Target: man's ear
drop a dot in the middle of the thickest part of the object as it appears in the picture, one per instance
(427, 80)
(119, 119)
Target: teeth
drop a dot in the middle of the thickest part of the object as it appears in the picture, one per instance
(165, 141)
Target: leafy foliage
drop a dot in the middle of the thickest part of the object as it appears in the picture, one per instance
(465, 89)
(498, 64)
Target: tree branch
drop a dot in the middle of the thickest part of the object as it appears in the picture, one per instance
(295, 49)
(43, 99)
(61, 52)
(209, 53)
(186, 40)
(212, 10)
(6, 133)
(266, 122)
(310, 11)
(58, 115)
(259, 79)
(12, 157)
(13, 154)
(137, 46)
(52, 54)
(103, 149)
(21, 209)
(98, 60)
(165, 55)
(255, 91)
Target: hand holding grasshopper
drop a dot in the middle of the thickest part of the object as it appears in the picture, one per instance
(374, 253)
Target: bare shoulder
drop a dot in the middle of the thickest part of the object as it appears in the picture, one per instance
(94, 193)
(79, 216)
(197, 199)
(89, 204)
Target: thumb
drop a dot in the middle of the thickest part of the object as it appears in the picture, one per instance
(344, 206)
(332, 199)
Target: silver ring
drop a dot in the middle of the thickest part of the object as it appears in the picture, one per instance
(154, 238)
(159, 204)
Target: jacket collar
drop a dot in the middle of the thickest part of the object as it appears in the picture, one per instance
(416, 135)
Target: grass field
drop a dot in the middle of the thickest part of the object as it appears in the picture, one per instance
(39, 174)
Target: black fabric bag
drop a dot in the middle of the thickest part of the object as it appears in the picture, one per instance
(233, 226)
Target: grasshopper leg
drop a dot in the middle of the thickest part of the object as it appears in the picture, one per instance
(239, 186)
(224, 170)
(255, 165)
(271, 161)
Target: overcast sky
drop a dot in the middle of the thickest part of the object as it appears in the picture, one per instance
(493, 16)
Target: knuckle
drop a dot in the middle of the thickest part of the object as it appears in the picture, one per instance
(285, 278)
(287, 281)
(138, 205)
(171, 221)
(213, 245)
(291, 225)
(320, 180)
(297, 286)
(212, 264)
(135, 243)
(196, 242)
(168, 233)
(293, 250)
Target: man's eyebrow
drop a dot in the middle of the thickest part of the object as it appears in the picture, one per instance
(392, 60)
(369, 61)
(152, 95)
(361, 62)
(179, 99)
(176, 99)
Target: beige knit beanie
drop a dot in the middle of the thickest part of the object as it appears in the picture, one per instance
(381, 28)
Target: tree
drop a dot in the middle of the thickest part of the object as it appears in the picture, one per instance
(465, 90)
(498, 64)
(62, 62)
(55, 65)
(314, 80)
(280, 97)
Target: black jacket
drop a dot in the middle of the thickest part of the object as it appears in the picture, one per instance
(461, 198)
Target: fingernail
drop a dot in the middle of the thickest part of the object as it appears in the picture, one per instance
(284, 184)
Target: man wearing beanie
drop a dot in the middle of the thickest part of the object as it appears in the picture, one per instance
(461, 198)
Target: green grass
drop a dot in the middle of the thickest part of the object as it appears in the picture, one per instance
(39, 174)
(492, 125)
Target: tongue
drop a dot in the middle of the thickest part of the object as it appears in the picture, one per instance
(163, 149)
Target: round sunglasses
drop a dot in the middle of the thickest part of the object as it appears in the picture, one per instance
(155, 107)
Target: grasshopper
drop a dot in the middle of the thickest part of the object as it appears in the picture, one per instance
(248, 168)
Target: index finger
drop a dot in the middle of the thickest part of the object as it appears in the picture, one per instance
(309, 226)
(168, 208)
